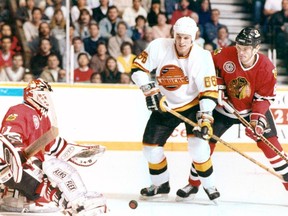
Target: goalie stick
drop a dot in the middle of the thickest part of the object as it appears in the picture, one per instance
(41, 142)
(188, 121)
(247, 124)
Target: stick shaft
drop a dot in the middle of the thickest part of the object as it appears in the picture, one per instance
(188, 121)
(41, 142)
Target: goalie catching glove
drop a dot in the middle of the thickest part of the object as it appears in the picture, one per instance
(204, 129)
(153, 96)
(258, 127)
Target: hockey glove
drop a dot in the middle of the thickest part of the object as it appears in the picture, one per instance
(153, 96)
(258, 123)
(204, 129)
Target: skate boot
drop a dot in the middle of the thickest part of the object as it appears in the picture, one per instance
(212, 193)
(188, 192)
(155, 191)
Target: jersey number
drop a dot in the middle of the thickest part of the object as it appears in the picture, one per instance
(210, 81)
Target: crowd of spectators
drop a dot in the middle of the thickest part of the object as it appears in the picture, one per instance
(106, 36)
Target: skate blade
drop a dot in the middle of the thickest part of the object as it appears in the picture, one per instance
(185, 199)
(157, 197)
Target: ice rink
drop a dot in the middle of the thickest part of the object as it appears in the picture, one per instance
(246, 189)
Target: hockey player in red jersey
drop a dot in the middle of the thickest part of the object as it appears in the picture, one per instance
(47, 177)
(185, 74)
(247, 82)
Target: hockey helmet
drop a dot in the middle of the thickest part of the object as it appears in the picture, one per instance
(37, 94)
(185, 25)
(249, 36)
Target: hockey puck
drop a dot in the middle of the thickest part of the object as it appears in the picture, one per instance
(133, 204)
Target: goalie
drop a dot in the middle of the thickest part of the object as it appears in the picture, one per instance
(45, 179)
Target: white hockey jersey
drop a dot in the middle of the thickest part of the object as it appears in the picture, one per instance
(181, 79)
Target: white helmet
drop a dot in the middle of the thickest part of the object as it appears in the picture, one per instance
(185, 25)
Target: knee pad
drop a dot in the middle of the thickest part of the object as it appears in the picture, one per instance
(153, 154)
(198, 149)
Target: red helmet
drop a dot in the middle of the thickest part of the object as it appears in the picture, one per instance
(37, 95)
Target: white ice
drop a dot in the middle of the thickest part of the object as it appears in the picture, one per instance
(246, 189)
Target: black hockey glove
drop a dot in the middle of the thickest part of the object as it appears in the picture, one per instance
(153, 96)
(204, 129)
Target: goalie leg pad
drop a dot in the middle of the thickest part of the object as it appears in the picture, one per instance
(65, 177)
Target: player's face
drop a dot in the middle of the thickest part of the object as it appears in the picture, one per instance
(183, 44)
(245, 54)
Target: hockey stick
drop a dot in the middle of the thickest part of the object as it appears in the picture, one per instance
(247, 124)
(188, 121)
(41, 142)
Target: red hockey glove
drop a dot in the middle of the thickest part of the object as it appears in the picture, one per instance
(204, 129)
(259, 124)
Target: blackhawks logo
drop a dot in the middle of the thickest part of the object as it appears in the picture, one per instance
(239, 88)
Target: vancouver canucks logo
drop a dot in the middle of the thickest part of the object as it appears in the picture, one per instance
(172, 77)
(239, 88)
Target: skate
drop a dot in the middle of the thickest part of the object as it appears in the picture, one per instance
(154, 191)
(212, 193)
(186, 193)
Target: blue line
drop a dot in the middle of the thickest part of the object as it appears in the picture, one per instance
(15, 92)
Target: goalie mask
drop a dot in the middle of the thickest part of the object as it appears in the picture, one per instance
(185, 25)
(37, 94)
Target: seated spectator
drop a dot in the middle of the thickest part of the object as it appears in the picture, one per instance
(24, 13)
(115, 42)
(209, 46)
(51, 72)
(98, 60)
(91, 42)
(75, 10)
(182, 11)
(122, 5)
(279, 30)
(270, 8)
(39, 61)
(83, 72)
(58, 27)
(15, 72)
(108, 25)
(30, 28)
(222, 39)
(6, 54)
(125, 60)
(195, 17)
(111, 74)
(44, 32)
(153, 12)
(211, 27)
(57, 5)
(125, 78)
(100, 12)
(198, 39)
(162, 29)
(4, 12)
(6, 30)
(169, 7)
(205, 12)
(130, 13)
(139, 28)
(141, 44)
(82, 24)
(27, 77)
(95, 78)
(96, 3)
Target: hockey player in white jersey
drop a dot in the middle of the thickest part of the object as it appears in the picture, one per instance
(185, 75)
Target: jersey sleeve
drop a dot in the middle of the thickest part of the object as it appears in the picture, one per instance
(265, 91)
(206, 79)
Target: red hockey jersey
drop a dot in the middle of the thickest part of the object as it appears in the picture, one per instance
(248, 89)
